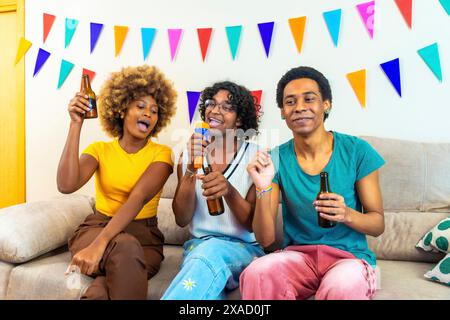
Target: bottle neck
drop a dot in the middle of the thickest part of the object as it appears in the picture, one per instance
(86, 84)
(324, 184)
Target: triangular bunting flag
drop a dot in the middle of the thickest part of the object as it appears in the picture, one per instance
(96, 29)
(120, 33)
(148, 34)
(66, 68)
(257, 94)
(333, 21)
(392, 71)
(367, 13)
(234, 36)
(204, 36)
(405, 7)
(174, 41)
(430, 55)
(193, 97)
(357, 80)
(91, 75)
(266, 31)
(48, 23)
(297, 26)
(23, 47)
(71, 26)
(42, 57)
(446, 5)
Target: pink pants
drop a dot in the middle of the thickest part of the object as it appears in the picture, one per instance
(299, 272)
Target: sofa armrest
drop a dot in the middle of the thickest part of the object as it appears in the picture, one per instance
(31, 229)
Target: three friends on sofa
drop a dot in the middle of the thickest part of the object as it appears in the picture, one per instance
(120, 244)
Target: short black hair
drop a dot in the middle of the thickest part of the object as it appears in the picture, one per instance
(304, 72)
(245, 104)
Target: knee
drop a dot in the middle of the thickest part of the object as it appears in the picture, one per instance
(260, 268)
(126, 244)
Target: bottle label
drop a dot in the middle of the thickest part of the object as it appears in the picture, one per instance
(92, 104)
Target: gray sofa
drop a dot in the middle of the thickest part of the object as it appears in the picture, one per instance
(416, 193)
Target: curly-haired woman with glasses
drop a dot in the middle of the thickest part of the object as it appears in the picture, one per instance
(220, 246)
(120, 244)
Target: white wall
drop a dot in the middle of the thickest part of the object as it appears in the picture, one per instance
(422, 114)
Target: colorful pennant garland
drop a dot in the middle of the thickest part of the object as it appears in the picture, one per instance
(71, 27)
(357, 80)
(405, 7)
(96, 30)
(42, 57)
(204, 37)
(64, 70)
(367, 13)
(120, 33)
(297, 26)
(430, 55)
(446, 5)
(266, 31)
(174, 41)
(193, 97)
(48, 20)
(333, 21)
(233, 36)
(392, 70)
(24, 46)
(148, 35)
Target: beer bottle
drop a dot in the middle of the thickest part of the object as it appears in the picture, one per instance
(215, 207)
(324, 188)
(87, 90)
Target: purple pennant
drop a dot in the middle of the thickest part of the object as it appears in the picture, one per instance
(40, 60)
(392, 71)
(266, 30)
(96, 29)
(193, 97)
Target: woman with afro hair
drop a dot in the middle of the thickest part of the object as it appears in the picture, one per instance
(120, 244)
(220, 246)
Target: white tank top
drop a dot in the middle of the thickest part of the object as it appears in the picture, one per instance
(205, 225)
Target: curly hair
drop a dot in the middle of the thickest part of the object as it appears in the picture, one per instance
(304, 72)
(129, 84)
(246, 105)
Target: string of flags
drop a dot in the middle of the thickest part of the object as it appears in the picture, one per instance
(297, 25)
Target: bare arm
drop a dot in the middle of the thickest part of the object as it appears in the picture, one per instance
(74, 172)
(372, 221)
(183, 204)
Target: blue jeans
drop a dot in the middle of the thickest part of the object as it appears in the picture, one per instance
(209, 267)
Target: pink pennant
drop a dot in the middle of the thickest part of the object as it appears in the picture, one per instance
(367, 13)
(174, 41)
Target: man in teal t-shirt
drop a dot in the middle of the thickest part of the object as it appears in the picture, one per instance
(330, 263)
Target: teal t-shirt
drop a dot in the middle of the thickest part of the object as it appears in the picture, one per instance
(352, 159)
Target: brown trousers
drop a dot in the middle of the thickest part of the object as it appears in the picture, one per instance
(130, 259)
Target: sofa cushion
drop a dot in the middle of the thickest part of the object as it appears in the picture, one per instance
(402, 178)
(438, 238)
(403, 280)
(437, 182)
(5, 270)
(440, 272)
(173, 234)
(402, 232)
(32, 229)
(44, 279)
(171, 185)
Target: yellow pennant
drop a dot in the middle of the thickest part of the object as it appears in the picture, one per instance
(24, 45)
(298, 31)
(357, 80)
(120, 33)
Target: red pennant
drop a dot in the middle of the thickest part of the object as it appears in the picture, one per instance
(204, 36)
(405, 7)
(48, 23)
(90, 73)
(257, 94)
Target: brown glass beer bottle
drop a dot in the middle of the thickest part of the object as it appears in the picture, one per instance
(215, 207)
(324, 188)
(87, 90)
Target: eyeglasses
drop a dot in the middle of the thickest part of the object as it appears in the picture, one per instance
(225, 107)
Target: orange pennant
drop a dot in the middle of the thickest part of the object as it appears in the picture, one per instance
(48, 20)
(298, 31)
(357, 80)
(120, 33)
